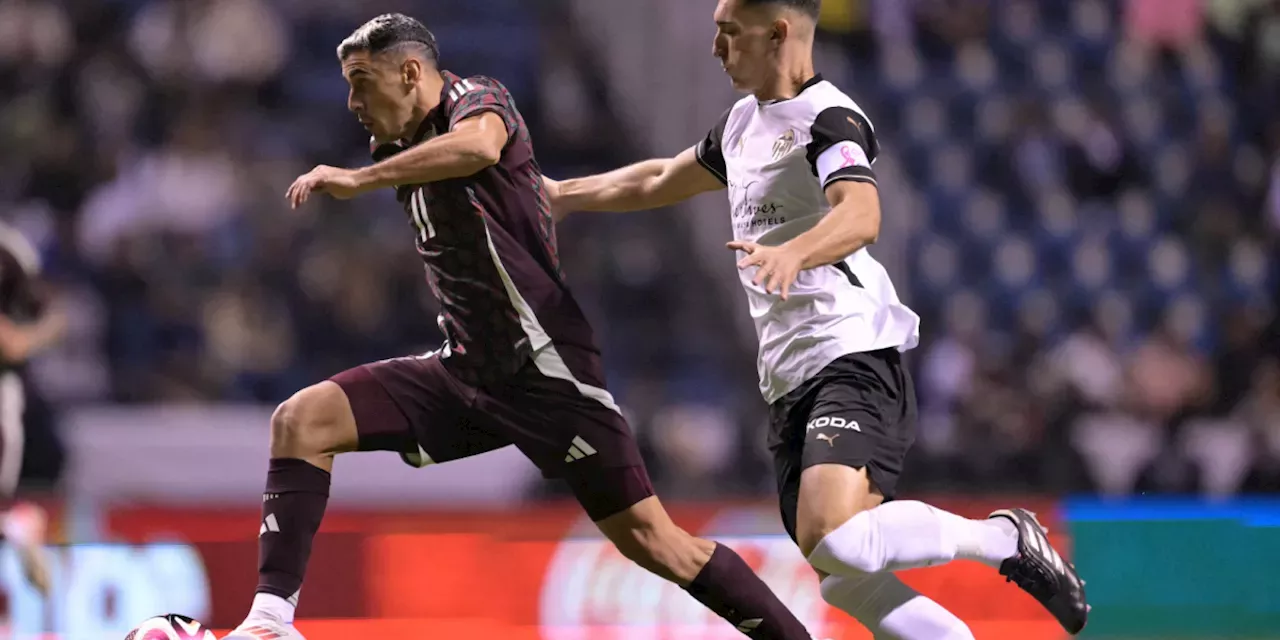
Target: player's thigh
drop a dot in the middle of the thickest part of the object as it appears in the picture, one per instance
(814, 501)
(570, 427)
(846, 435)
(415, 407)
(829, 495)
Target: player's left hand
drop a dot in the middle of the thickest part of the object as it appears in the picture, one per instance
(339, 183)
(778, 266)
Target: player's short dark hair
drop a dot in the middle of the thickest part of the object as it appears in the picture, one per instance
(391, 31)
(807, 7)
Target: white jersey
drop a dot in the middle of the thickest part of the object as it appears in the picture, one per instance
(777, 158)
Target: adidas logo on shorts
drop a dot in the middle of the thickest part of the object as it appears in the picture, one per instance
(579, 450)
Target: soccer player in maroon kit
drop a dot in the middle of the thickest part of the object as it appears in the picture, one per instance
(519, 365)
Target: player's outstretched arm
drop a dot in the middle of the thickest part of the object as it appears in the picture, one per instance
(475, 143)
(852, 223)
(472, 145)
(651, 184)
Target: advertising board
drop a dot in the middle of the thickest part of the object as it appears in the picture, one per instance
(537, 572)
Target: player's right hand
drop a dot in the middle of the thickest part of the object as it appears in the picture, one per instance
(339, 183)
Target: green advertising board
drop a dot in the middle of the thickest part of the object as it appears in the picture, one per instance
(1165, 569)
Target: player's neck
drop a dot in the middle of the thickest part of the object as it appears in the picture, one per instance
(789, 81)
(428, 98)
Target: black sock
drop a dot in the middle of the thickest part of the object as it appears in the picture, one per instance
(292, 508)
(728, 586)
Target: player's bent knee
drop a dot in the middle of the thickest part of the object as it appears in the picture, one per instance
(850, 546)
(830, 496)
(316, 421)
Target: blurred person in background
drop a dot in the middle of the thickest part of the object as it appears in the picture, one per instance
(796, 159)
(29, 324)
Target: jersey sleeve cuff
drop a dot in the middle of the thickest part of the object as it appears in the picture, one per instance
(844, 160)
(855, 174)
(501, 111)
(708, 164)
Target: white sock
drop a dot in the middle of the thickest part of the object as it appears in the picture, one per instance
(891, 610)
(271, 607)
(907, 534)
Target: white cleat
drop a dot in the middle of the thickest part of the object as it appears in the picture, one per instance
(263, 629)
(25, 527)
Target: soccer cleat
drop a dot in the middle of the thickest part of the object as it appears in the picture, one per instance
(1040, 571)
(25, 527)
(261, 629)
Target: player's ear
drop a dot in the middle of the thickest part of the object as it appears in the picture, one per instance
(410, 71)
(781, 29)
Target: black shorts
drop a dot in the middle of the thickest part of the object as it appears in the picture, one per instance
(859, 411)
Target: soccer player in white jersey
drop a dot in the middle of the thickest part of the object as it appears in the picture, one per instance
(796, 157)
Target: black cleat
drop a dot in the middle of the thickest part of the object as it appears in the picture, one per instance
(1041, 572)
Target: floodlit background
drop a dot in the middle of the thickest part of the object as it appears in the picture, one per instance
(1082, 200)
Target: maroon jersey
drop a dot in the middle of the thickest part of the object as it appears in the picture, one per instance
(489, 245)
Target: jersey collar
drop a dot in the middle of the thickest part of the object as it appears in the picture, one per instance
(817, 77)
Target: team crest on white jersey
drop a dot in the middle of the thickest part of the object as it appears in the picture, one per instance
(783, 144)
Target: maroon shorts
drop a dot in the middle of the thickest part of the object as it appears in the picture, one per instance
(559, 416)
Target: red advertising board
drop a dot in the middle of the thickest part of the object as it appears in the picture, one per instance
(538, 573)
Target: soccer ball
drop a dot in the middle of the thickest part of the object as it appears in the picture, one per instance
(170, 627)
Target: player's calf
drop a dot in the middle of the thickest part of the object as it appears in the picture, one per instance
(712, 573)
(307, 430)
(855, 541)
(660, 547)
(891, 609)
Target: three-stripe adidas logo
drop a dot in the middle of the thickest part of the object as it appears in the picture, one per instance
(1039, 544)
(579, 449)
(749, 625)
(269, 524)
(461, 88)
(263, 632)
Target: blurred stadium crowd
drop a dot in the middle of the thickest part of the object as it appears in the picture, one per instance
(1095, 209)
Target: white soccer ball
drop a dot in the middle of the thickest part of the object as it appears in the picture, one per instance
(170, 627)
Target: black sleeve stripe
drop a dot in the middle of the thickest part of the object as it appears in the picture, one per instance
(839, 124)
(709, 163)
(856, 174)
(843, 267)
(710, 150)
